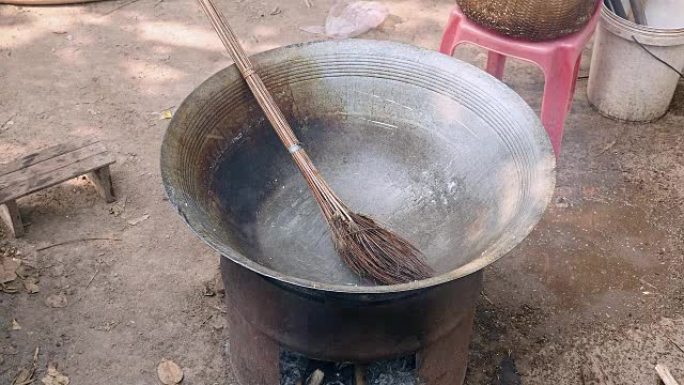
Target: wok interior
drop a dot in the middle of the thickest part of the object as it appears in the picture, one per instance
(454, 162)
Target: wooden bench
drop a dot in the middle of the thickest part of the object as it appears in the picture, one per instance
(49, 167)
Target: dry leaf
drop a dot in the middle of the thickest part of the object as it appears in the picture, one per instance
(31, 285)
(56, 300)
(10, 287)
(54, 377)
(25, 270)
(137, 220)
(169, 372)
(22, 377)
(8, 268)
(119, 207)
(166, 114)
(15, 325)
(8, 123)
(208, 291)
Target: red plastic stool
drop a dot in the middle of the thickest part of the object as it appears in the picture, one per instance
(559, 59)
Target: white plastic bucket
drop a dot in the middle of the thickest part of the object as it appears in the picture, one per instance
(625, 81)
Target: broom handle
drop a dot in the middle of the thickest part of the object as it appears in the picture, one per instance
(261, 94)
(326, 198)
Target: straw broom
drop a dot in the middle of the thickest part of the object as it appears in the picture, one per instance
(370, 250)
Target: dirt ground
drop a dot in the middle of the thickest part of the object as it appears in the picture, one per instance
(594, 295)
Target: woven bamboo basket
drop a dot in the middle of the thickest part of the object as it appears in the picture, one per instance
(530, 19)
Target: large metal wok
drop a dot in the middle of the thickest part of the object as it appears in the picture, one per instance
(434, 148)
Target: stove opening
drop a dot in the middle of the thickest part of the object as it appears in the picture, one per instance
(297, 369)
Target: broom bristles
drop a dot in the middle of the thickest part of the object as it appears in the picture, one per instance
(377, 253)
(370, 250)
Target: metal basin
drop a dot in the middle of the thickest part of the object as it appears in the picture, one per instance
(436, 149)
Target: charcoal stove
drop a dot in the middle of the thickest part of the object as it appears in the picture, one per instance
(436, 149)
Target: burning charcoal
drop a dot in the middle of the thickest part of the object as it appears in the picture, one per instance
(292, 368)
(400, 371)
(296, 369)
(399, 378)
(339, 378)
(507, 373)
(334, 372)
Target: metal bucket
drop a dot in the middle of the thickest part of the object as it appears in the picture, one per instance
(435, 148)
(625, 81)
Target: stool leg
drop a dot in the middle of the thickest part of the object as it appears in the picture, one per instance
(9, 213)
(450, 36)
(559, 77)
(575, 75)
(102, 181)
(495, 64)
